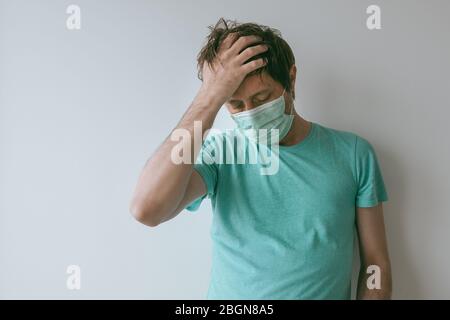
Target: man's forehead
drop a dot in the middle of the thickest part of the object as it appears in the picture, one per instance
(251, 86)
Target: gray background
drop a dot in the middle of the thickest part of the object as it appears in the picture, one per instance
(81, 111)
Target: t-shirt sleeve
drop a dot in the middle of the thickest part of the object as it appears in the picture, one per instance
(370, 184)
(206, 166)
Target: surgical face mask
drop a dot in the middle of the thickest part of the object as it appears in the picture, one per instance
(257, 124)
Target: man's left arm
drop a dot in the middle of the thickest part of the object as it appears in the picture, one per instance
(373, 251)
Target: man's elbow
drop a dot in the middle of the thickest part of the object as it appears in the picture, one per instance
(145, 213)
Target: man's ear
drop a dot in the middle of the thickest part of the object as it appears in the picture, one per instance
(293, 77)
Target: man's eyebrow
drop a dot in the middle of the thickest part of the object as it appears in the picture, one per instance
(252, 96)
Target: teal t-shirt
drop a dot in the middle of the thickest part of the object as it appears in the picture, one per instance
(288, 235)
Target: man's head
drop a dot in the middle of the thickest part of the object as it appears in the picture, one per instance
(263, 84)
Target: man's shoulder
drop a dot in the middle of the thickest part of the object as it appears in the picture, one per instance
(339, 136)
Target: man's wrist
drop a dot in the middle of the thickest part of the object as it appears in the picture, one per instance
(208, 100)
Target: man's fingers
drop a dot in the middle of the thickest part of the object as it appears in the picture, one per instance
(253, 65)
(228, 41)
(243, 42)
(250, 52)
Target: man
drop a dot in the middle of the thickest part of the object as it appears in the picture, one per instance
(287, 235)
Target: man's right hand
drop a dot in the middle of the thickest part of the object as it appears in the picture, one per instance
(224, 75)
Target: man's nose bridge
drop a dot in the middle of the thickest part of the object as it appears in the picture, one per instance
(249, 105)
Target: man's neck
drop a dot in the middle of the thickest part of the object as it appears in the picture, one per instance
(299, 130)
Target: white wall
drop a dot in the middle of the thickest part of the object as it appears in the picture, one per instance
(81, 111)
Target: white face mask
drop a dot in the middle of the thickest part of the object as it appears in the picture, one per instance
(259, 123)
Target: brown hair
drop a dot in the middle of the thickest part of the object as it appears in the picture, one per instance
(279, 56)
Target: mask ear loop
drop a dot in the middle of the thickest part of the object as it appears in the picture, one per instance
(292, 107)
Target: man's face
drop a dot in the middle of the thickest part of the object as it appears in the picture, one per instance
(255, 91)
